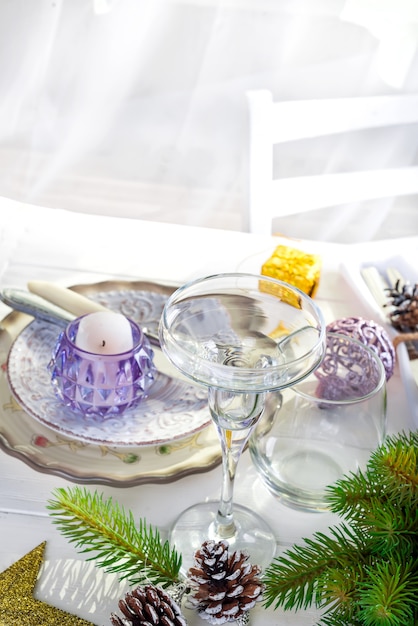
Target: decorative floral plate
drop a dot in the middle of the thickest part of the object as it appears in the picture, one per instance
(167, 449)
(172, 409)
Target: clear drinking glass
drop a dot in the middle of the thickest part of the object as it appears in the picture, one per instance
(325, 427)
(241, 335)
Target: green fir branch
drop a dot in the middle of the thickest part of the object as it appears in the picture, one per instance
(396, 463)
(294, 579)
(133, 550)
(365, 572)
(391, 475)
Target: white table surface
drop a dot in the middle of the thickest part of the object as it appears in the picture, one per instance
(71, 248)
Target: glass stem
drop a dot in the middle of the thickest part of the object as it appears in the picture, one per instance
(235, 415)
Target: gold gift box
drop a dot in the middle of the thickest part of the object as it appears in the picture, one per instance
(294, 267)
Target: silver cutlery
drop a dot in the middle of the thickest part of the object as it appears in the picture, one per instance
(26, 302)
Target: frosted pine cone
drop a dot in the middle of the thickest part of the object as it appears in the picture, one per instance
(225, 587)
(404, 299)
(148, 606)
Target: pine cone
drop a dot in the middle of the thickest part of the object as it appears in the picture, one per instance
(225, 586)
(404, 299)
(148, 606)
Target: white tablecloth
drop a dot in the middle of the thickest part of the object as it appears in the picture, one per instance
(71, 248)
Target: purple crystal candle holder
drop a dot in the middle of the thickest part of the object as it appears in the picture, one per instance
(102, 385)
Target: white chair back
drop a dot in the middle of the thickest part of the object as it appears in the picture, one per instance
(272, 123)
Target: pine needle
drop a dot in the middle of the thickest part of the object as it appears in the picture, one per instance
(388, 595)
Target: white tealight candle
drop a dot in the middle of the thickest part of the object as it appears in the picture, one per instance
(104, 333)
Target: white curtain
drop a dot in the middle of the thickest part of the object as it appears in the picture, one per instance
(137, 107)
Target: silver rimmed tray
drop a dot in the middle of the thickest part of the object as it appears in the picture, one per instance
(180, 447)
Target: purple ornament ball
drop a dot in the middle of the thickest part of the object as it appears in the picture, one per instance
(370, 334)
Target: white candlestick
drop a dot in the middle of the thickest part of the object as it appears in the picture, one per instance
(104, 333)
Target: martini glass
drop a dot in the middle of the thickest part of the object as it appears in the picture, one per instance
(242, 336)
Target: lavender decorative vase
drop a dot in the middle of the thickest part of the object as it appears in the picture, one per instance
(101, 385)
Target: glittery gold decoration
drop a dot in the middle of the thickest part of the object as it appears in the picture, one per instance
(294, 267)
(18, 607)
